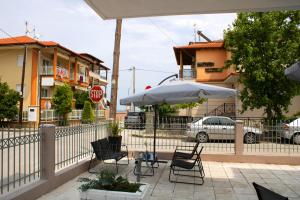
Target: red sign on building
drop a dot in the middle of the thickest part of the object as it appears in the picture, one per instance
(96, 94)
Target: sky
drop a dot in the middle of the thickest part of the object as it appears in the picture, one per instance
(146, 43)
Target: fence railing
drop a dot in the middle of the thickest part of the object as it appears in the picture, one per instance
(19, 156)
(260, 136)
(73, 143)
(51, 115)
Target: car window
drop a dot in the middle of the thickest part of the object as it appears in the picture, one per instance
(212, 121)
(133, 114)
(226, 122)
(295, 122)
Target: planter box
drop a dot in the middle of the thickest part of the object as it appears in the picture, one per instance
(93, 194)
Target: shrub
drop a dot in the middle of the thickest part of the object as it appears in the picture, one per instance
(8, 102)
(62, 101)
(107, 180)
(87, 113)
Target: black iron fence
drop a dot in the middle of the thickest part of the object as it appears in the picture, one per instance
(73, 143)
(19, 156)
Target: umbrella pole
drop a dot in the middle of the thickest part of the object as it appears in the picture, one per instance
(154, 130)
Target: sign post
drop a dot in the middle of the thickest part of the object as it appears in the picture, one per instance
(96, 95)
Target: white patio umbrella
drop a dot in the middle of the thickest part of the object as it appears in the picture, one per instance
(174, 93)
(293, 72)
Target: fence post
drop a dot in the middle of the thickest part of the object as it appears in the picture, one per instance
(239, 137)
(47, 151)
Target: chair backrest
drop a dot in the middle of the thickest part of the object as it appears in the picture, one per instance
(97, 149)
(196, 147)
(266, 194)
(106, 152)
(198, 155)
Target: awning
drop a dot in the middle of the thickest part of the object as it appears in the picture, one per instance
(112, 9)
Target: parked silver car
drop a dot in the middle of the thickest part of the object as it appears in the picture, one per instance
(219, 128)
(291, 131)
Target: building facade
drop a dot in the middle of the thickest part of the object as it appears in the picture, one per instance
(48, 64)
(204, 62)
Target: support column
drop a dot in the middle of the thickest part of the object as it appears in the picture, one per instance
(181, 66)
(34, 78)
(69, 68)
(149, 122)
(54, 62)
(47, 151)
(75, 71)
(239, 137)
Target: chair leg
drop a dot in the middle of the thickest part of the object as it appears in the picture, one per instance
(90, 162)
(117, 166)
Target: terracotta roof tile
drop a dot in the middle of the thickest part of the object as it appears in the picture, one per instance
(17, 40)
(202, 45)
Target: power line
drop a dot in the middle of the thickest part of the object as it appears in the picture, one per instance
(169, 37)
(6, 33)
(149, 70)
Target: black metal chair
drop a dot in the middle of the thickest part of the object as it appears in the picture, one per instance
(103, 151)
(183, 152)
(180, 164)
(266, 194)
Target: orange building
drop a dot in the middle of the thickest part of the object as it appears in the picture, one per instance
(204, 62)
(48, 64)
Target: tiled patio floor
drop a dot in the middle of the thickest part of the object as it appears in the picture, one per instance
(223, 181)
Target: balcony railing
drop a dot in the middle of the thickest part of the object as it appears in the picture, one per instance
(189, 74)
(46, 70)
(51, 115)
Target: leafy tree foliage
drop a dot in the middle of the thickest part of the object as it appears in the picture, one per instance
(262, 46)
(62, 100)
(81, 97)
(87, 113)
(8, 102)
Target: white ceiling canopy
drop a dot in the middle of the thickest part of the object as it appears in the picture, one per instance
(112, 9)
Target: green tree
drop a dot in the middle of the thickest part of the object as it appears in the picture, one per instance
(87, 113)
(262, 45)
(81, 97)
(62, 101)
(8, 102)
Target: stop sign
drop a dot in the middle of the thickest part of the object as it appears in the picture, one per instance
(96, 94)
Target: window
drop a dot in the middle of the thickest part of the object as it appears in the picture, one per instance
(20, 59)
(212, 121)
(205, 64)
(226, 122)
(45, 92)
(72, 71)
(47, 68)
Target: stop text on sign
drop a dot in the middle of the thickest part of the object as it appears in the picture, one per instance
(96, 94)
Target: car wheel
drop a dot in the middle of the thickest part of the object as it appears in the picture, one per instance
(296, 138)
(202, 137)
(250, 138)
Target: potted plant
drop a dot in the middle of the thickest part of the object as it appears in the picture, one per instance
(115, 139)
(108, 186)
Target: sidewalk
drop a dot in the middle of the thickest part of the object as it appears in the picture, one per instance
(226, 181)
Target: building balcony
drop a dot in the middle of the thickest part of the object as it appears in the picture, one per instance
(189, 74)
(101, 79)
(46, 70)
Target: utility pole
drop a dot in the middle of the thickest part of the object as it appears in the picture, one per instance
(22, 87)
(133, 85)
(133, 80)
(115, 72)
